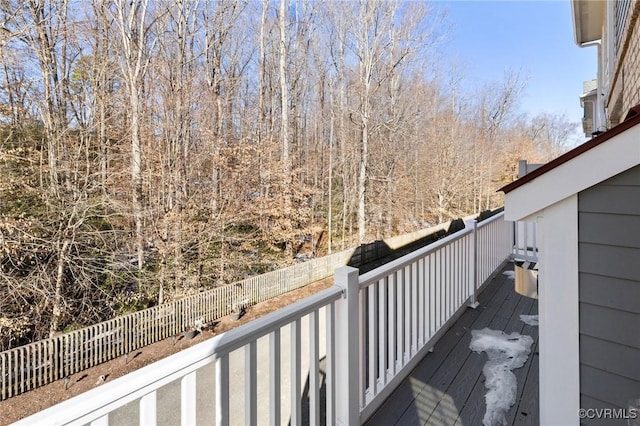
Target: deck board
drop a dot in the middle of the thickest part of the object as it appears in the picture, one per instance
(447, 386)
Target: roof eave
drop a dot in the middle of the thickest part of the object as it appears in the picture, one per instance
(588, 17)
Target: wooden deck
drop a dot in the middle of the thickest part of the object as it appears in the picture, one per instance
(447, 387)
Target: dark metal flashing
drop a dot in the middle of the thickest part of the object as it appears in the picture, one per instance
(632, 119)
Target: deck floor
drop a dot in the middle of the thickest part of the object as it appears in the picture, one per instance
(447, 387)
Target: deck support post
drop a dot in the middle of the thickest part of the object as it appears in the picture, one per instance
(347, 347)
(473, 303)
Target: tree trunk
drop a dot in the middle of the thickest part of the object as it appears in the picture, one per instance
(330, 198)
(56, 315)
(362, 179)
(130, 18)
(136, 175)
(284, 130)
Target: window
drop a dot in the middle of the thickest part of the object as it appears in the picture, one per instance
(621, 9)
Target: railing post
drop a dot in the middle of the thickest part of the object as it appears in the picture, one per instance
(474, 267)
(514, 238)
(347, 347)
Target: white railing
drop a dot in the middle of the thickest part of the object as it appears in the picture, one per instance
(494, 241)
(331, 358)
(221, 378)
(39, 363)
(525, 247)
(406, 306)
(36, 364)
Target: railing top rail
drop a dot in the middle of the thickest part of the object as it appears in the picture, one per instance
(123, 390)
(491, 220)
(395, 265)
(238, 337)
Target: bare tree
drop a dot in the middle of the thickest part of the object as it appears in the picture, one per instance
(46, 21)
(130, 18)
(216, 139)
(381, 36)
(551, 133)
(284, 126)
(498, 105)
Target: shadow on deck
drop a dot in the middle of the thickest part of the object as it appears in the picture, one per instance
(447, 387)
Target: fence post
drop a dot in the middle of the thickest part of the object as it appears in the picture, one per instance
(347, 347)
(474, 267)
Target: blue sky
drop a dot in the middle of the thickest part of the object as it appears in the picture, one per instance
(536, 37)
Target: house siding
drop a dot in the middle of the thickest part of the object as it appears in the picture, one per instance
(609, 294)
(625, 92)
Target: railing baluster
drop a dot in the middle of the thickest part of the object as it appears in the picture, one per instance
(458, 263)
(525, 237)
(393, 320)
(534, 246)
(372, 347)
(474, 262)
(459, 266)
(362, 350)
(432, 295)
(330, 366)
(407, 314)
(469, 267)
(414, 309)
(222, 391)
(446, 268)
(148, 409)
(450, 280)
(461, 273)
(274, 377)
(188, 399)
(442, 289)
(250, 384)
(400, 318)
(383, 320)
(296, 407)
(455, 264)
(314, 373)
(421, 302)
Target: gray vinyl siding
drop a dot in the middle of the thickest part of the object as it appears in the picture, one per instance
(609, 267)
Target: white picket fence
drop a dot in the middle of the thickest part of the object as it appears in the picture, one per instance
(329, 359)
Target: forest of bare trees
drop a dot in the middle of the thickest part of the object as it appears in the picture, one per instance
(154, 148)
